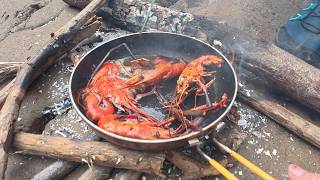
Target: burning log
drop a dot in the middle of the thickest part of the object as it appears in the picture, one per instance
(63, 41)
(98, 153)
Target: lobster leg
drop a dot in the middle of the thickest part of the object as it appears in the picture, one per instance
(203, 109)
(107, 55)
(164, 122)
(204, 89)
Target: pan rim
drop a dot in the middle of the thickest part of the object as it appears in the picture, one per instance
(188, 136)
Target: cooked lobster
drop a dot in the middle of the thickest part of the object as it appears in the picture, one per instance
(109, 93)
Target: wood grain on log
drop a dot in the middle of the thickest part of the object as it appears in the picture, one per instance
(98, 153)
(58, 45)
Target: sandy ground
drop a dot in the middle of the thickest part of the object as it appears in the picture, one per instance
(26, 25)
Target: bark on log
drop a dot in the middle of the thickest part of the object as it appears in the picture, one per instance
(299, 126)
(287, 72)
(99, 153)
(59, 44)
(96, 173)
(191, 168)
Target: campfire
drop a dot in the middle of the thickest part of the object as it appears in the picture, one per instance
(71, 131)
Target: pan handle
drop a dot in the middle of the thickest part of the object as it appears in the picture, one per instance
(225, 172)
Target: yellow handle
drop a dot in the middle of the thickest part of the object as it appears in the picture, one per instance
(227, 174)
(251, 166)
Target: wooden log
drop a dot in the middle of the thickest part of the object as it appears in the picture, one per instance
(96, 173)
(98, 153)
(191, 168)
(61, 42)
(288, 119)
(287, 72)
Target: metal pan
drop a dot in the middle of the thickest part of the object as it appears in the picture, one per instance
(150, 44)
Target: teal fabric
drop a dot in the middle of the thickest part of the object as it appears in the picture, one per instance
(300, 35)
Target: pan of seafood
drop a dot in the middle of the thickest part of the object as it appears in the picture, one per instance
(153, 90)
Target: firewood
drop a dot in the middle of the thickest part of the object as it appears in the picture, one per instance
(63, 41)
(90, 152)
(191, 168)
(96, 173)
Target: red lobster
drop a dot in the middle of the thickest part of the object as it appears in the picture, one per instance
(108, 92)
(192, 80)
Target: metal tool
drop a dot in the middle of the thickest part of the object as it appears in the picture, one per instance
(252, 167)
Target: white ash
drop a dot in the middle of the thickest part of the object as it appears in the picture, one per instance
(259, 151)
(59, 88)
(240, 173)
(250, 120)
(69, 125)
(217, 43)
(267, 153)
(291, 138)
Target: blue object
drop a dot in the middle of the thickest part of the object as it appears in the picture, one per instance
(300, 35)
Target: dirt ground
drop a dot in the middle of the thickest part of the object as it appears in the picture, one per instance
(25, 25)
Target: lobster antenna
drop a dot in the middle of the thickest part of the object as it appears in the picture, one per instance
(107, 55)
